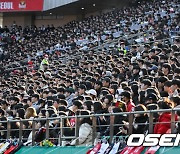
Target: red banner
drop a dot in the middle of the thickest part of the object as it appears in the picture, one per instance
(21, 5)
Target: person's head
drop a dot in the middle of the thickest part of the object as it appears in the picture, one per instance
(87, 105)
(98, 85)
(153, 90)
(92, 93)
(140, 107)
(56, 103)
(151, 98)
(176, 100)
(143, 72)
(166, 104)
(108, 100)
(14, 100)
(106, 82)
(69, 91)
(35, 98)
(84, 120)
(66, 120)
(161, 81)
(126, 96)
(20, 113)
(97, 107)
(136, 69)
(177, 71)
(81, 89)
(146, 83)
(77, 104)
(166, 68)
(63, 102)
(4, 105)
(103, 93)
(50, 112)
(117, 117)
(45, 94)
(30, 112)
(175, 84)
(167, 86)
(113, 88)
(62, 108)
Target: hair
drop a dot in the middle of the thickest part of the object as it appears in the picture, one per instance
(98, 106)
(2, 112)
(134, 89)
(30, 112)
(153, 90)
(78, 103)
(146, 82)
(66, 120)
(21, 113)
(62, 102)
(166, 104)
(43, 111)
(118, 118)
(62, 108)
(176, 100)
(88, 103)
(84, 120)
(140, 107)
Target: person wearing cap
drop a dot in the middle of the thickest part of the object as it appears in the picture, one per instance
(126, 97)
(92, 93)
(69, 94)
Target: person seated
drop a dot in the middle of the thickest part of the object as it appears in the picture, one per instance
(164, 120)
(85, 130)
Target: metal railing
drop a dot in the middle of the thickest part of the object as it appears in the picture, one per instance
(62, 128)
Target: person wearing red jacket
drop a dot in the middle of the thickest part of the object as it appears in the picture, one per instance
(164, 120)
(126, 97)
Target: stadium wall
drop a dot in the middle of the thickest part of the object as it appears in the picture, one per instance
(28, 18)
(56, 22)
(23, 20)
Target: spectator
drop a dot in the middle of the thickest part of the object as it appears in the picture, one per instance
(126, 97)
(85, 130)
(165, 118)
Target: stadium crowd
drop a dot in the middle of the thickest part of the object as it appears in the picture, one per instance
(35, 81)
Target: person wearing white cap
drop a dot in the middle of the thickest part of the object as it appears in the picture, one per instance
(92, 93)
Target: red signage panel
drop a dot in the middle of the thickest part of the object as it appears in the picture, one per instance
(21, 5)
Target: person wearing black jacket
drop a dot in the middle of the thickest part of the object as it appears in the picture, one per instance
(140, 120)
(139, 123)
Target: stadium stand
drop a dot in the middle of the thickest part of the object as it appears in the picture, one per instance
(99, 79)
